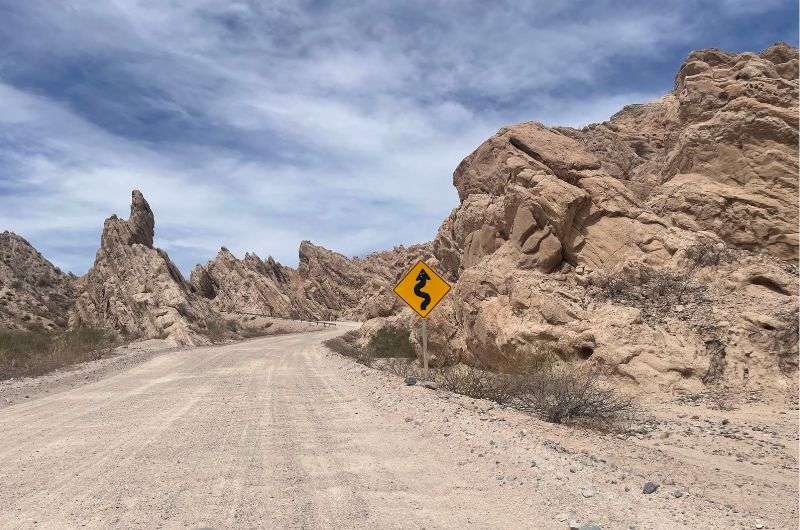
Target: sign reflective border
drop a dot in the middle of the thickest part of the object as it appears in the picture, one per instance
(422, 288)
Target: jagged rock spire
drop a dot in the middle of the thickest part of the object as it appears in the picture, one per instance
(141, 220)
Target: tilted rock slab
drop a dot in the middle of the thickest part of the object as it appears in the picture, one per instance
(325, 286)
(136, 289)
(243, 286)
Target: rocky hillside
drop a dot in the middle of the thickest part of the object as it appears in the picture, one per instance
(134, 288)
(33, 293)
(250, 285)
(662, 243)
(326, 285)
(358, 288)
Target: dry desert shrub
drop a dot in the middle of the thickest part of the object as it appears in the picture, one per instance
(708, 254)
(539, 383)
(401, 367)
(655, 292)
(32, 353)
(556, 391)
(220, 329)
(784, 339)
(477, 383)
(561, 393)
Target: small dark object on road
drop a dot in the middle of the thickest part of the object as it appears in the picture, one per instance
(649, 487)
(411, 381)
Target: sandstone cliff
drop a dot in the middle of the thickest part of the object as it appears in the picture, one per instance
(135, 288)
(662, 243)
(33, 293)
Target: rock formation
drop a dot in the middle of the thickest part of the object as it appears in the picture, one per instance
(250, 285)
(325, 286)
(136, 289)
(33, 293)
(663, 243)
(358, 288)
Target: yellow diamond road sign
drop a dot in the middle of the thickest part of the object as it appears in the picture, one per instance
(422, 288)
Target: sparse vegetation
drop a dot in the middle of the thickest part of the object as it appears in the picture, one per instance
(478, 384)
(556, 391)
(561, 393)
(540, 384)
(656, 292)
(32, 353)
(387, 343)
(220, 329)
(347, 345)
(708, 254)
(392, 342)
(784, 339)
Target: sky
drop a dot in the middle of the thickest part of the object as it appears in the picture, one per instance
(255, 125)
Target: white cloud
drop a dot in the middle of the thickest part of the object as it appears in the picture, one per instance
(256, 125)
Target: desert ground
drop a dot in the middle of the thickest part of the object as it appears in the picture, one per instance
(281, 432)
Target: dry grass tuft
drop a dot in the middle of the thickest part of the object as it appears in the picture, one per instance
(32, 353)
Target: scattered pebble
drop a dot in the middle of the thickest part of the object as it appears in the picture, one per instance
(649, 487)
(411, 381)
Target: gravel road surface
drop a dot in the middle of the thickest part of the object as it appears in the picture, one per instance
(279, 432)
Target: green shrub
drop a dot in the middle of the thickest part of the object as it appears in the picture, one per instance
(392, 342)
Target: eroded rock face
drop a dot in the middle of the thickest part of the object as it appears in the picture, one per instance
(325, 286)
(34, 294)
(243, 286)
(357, 288)
(135, 288)
(637, 241)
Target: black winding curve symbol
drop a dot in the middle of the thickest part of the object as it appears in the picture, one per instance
(422, 279)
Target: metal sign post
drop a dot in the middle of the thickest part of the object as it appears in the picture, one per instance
(425, 347)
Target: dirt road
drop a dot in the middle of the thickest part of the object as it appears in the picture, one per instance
(278, 432)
